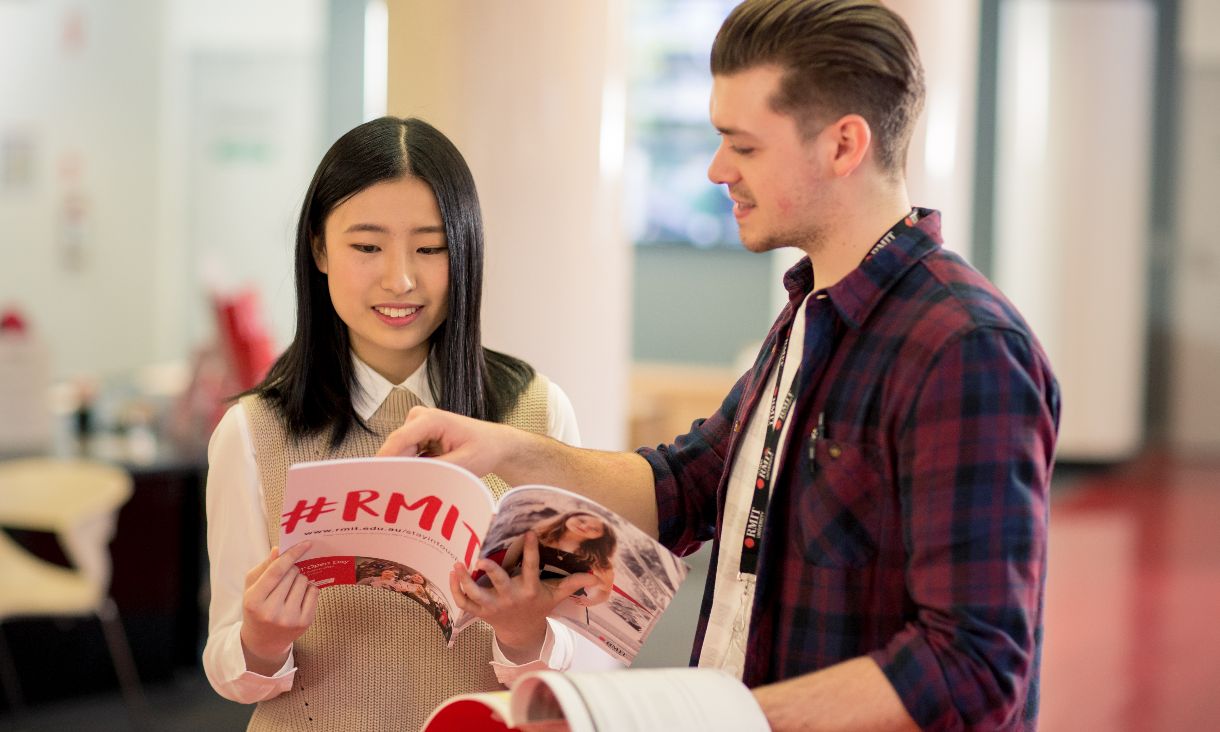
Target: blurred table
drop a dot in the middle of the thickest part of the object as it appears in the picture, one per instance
(158, 570)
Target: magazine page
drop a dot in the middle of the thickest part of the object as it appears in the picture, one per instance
(394, 524)
(485, 712)
(638, 577)
(676, 700)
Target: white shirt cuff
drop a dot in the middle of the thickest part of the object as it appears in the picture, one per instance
(555, 654)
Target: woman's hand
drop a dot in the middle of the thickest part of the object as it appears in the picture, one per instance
(515, 607)
(598, 592)
(278, 606)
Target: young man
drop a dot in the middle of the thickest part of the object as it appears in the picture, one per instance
(876, 485)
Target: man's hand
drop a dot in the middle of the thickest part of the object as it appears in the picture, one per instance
(278, 606)
(515, 607)
(478, 446)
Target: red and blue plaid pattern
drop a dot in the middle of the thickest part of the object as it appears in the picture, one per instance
(913, 528)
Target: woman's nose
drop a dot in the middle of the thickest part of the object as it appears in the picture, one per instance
(396, 277)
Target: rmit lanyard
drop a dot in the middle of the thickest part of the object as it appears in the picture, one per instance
(762, 484)
(775, 424)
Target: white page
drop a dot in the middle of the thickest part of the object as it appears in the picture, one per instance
(676, 700)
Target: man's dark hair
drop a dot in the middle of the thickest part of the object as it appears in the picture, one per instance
(839, 57)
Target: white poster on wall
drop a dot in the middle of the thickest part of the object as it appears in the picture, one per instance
(254, 142)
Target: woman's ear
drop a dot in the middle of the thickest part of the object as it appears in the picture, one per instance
(318, 247)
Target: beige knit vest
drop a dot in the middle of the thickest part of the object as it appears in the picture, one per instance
(372, 660)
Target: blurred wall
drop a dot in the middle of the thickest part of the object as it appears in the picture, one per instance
(1073, 201)
(532, 92)
(1195, 274)
(148, 151)
(80, 175)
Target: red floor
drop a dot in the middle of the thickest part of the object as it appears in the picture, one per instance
(1133, 601)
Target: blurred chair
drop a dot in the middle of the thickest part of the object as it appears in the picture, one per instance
(79, 501)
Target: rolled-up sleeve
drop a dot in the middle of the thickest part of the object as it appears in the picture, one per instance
(975, 458)
(687, 474)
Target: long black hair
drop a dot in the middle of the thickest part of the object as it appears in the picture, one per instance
(311, 383)
(597, 552)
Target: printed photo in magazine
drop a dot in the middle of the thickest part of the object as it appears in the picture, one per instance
(400, 524)
(638, 577)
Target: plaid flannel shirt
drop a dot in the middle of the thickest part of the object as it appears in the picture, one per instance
(913, 528)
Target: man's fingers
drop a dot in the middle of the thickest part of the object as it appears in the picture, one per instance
(397, 445)
(407, 439)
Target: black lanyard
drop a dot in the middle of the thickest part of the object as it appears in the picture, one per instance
(766, 465)
(775, 423)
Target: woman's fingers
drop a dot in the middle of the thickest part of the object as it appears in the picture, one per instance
(257, 570)
(297, 591)
(309, 606)
(496, 574)
(458, 577)
(529, 556)
(278, 576)
(575, 582)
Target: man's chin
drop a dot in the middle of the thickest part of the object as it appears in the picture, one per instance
(758, 244)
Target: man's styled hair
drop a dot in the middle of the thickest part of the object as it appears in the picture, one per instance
(839, 57)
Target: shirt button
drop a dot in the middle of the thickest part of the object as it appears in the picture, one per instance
(835, 451)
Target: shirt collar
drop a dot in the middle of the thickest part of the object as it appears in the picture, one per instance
(858, 293)
(372, 388)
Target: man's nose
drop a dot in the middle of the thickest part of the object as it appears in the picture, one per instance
(720, 170)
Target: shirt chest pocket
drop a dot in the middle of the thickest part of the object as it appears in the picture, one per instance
(838, 506)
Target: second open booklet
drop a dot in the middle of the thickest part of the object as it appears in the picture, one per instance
(399, 524)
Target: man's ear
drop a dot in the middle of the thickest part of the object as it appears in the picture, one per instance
(318, 248)
(852, 138)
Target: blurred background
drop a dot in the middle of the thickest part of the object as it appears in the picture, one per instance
(154, 154)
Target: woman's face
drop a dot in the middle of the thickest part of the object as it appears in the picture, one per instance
(585, 526)
(386, 263)
(389, 574)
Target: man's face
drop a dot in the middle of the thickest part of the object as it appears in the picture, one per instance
(776, 180)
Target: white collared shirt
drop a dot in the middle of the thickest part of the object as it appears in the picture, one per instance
(728, 625)
(237, 541)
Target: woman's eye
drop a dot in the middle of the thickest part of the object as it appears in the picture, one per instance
(433, 250)
(366, 248)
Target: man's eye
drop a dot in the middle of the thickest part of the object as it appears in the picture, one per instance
(742, 150)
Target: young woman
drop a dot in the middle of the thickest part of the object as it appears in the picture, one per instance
(568, 544)
(389, 255)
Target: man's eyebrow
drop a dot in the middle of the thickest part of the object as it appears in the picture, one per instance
(739, 134)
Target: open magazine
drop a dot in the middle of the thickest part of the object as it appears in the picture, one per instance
(676, 700)
(400, 524)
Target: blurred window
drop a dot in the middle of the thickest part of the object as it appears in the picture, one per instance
(671, 141)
